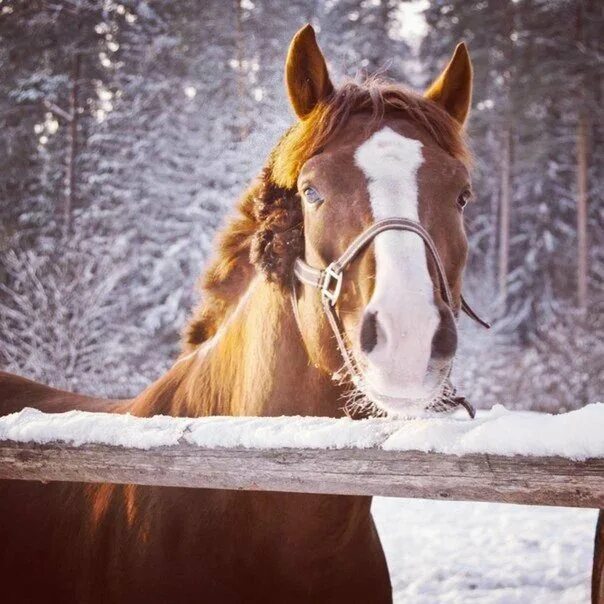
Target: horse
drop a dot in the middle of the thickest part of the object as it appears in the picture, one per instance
(334, 289)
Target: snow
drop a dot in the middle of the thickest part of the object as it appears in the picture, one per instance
(283, 432)
(575, 435)
(81, 427)
(469, 553)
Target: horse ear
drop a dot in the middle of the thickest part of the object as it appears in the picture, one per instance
(452, 90)
(306, 73)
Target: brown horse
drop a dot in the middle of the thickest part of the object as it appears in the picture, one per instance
(359, 156)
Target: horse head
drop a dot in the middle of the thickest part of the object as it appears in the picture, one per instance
(359, 217)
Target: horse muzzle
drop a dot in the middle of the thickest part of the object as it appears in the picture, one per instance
(385, 337)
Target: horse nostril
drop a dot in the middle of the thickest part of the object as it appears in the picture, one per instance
(369, 332)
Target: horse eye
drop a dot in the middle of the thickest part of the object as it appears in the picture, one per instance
(312, 196)
(464, 198)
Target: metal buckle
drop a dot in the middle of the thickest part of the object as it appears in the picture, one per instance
(332, 294)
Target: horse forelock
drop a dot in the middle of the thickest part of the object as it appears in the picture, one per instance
(375, 97)
(266, 234)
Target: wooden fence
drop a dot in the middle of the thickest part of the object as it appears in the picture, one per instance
(518, 479)
(372, 471)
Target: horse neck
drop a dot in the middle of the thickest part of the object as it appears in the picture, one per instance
(254, 365)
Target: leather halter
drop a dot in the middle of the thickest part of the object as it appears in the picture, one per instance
(329, 282)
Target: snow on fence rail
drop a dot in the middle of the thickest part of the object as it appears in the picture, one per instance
(502, 456)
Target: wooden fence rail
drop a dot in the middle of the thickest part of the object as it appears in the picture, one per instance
(372, 471)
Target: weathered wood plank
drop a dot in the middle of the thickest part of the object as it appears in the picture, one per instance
(517, 479)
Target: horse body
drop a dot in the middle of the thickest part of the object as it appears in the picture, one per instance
(249, 351)
(17, 392)
(120, 543)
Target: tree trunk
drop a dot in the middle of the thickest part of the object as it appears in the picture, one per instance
(241, 79)
(582, 263)
(506, 158)
(70, 173)
(597, 577)
(581, 171)
(504, 213)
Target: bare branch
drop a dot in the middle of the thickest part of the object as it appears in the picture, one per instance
(57, 111)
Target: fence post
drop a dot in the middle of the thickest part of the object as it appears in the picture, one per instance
(597, 578)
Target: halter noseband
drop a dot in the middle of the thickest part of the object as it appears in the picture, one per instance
(329, 282)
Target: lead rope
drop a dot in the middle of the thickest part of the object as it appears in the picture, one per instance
(449, 401)
(330, 292)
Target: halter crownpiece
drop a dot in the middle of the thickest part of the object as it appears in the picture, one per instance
(329, 282)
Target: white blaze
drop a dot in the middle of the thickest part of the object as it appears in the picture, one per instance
(403, 296)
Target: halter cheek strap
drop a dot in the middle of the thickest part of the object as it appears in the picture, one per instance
(329, 282)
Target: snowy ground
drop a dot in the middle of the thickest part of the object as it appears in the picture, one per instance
(451, 552)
